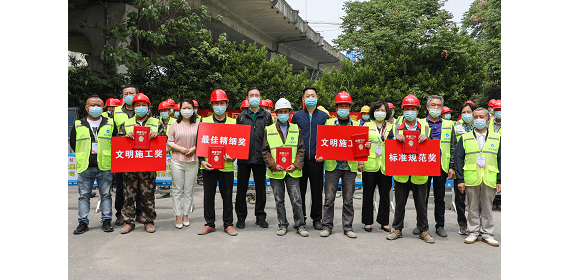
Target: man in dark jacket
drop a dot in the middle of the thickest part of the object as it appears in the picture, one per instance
(307, 120)
(258, 119)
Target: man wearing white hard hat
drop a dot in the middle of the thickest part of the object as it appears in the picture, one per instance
(285, 134)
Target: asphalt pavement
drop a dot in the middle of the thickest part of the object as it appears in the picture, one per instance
(258, 253)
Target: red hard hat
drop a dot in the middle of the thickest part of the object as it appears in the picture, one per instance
(446, 110)
(141, 97)
(264, 103)
(343, 97)
(218, 95)
(497, 105)
(244, 104)
(391, 106)
(195, 103)
(492, 102)
(411, 100)
(122, 101)
(163, 105)
(177, 106)
(170, 102)
(113, 102)
(269, 103)
(469, 101)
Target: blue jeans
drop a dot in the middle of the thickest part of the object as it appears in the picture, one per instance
(85, 182)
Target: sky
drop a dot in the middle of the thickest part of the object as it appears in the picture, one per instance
(325, 15)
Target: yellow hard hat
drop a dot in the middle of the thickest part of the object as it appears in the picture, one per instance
(323, 109)
(365, 109)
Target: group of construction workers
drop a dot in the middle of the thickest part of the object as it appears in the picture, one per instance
(469, 154)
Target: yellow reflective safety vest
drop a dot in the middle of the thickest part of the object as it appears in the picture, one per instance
(119, 116)
(474, 175)
(375, 163)
(228, 166)
(150, 122)
(492, 126)
(444, 143)
(83, 146)
(330, 165)
(274, 141)
(425, 130)
(170, 121)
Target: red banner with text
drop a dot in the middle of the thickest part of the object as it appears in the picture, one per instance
(426, 163)
(334, 142)
(125, 159)
(234, 137)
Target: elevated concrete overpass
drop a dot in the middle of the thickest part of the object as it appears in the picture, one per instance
(270, 23)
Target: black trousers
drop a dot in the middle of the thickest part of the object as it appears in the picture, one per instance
(438, 197)
(369, 182)
(459, 205)
(313, 171)
(120, 197)
(226, 182)
(401, 192)
(260, 191)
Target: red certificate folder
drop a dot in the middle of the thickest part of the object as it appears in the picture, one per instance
(359, 140)
(411, 145)
(141, 141)
(216, 156)
(284, 156)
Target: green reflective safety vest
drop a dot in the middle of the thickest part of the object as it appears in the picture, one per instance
(150, 122)
(492, 126)
(375, 163)
(170, 121)
(274, 141)
(425, 130)
(445, 143)
(474, 175)
(83, 146)
(119, 116)
(105, 114)
(228, 166)
(330, 165)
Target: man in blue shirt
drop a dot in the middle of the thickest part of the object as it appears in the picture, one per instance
(307, 120)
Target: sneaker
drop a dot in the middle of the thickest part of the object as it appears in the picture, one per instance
(240, 224)
(463, 230)
(262, 224)
(425, 236)
(355, 196)
(396, 233)
(441, 232)
(350, 234)
(416, 231)
(303, 232)
(471, 239)
(282, 231)
(81, 228)
(107, 226)
(325, 233)
(491, 241)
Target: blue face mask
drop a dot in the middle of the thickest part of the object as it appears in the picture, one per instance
(219, 110)
(176, 114)
(283, 118)
(435, 112)
(498, 114)
(164, 115)
(365, 117)
(479, 123)
(343, 113)
(310, 102)
(410, 115)
(141, 111)
(128, 99)
(492, 111)
(95, 111)
(467, 118)
(447, 116)
(171, 111)
(196, 112)
(254, 101)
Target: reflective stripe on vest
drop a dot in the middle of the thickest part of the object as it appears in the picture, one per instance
(473, 175)
(330, 165)
(119, 116)
(83, 146)
(417, 180)
(274, 141)
(374, 163)
(445, 143)
(228, 166)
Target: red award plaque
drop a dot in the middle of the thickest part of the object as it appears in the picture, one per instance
(358, 148)
(411, 145)
(141, 141)
(284, 156)
(216, 156)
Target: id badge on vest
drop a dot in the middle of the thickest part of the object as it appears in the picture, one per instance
(94, 147)
(480, 161)
(378, 151)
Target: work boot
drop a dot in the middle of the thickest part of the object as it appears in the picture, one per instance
(426, 237)
(395, 234)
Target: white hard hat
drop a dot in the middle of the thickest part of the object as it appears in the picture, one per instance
(282, 103)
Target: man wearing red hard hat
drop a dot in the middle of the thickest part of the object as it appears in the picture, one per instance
(111, 103)
(490, 107)
(145, 182)
(171, 103)
(417, 184)
(495, 123)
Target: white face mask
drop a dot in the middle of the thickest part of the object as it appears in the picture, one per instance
(186, 113)
(380, 115)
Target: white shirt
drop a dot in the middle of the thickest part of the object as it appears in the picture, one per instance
(480, 139)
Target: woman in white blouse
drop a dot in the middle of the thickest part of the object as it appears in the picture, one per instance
(182, 138)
